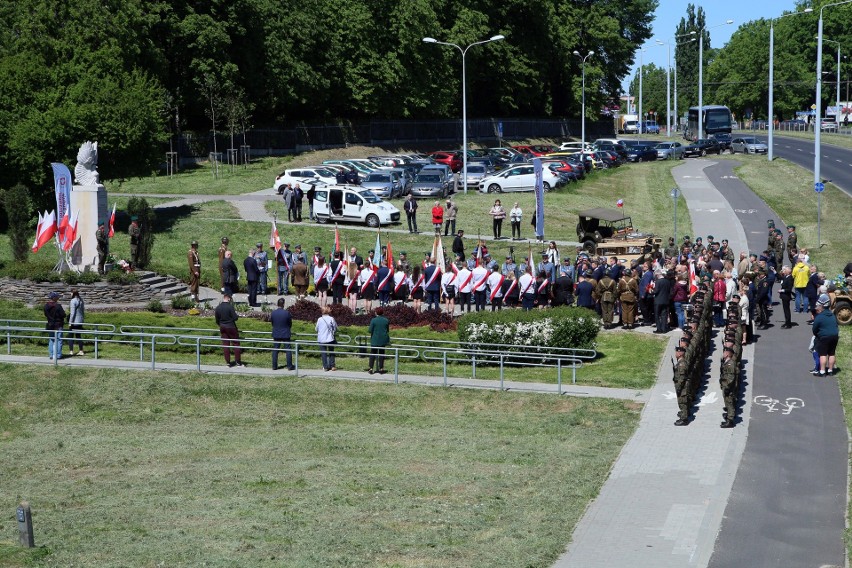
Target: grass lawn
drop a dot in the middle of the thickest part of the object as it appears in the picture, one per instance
(162, 469)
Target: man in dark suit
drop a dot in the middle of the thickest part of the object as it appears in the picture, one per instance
(662, 298)
(229, 274)
(282, 324)
(252, 277)
(432, 277)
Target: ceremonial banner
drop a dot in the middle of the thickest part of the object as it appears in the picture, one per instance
(539, 198)
(62, 188)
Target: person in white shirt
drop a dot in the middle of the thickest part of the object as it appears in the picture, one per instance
(321, 277)
(401, 284)
(449, 287)
(526, 283)
(367, 286)
(495, 285)
(465, 286)
(480, 277)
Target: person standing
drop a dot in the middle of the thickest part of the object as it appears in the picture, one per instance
(321, 273)
(437, 217)
(384, 282)
(800, 284)
(262, 260)
(252, 276)
(284, 260)
(628, 290)
(298, 197)
(662, 298)
(607, 290)
(309, 195)
(410, 206)
(76, 317)
(379, 340)
(223, 248)
(55, 314)
(452, 212)
(418, 287)
(135, 237)
(681, 382)
(282, 328)
(337, 278)
(464, 278)
(432, 275)
(326, 337)
(300, 274)
(102, 245)
(526, 285)
(792, 244)
(458, 246)
(289, 202)
(194, 262)
(761, 299)
(786, 295)
(226, 318)
(729, 382)
(230, 275)
(497, 215)
(480, 279)
(826, 334)
(515, 215)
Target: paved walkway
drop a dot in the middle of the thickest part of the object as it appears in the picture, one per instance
(666, 495)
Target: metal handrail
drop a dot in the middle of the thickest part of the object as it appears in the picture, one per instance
(586, 354)
(41, 323)
(131, 329)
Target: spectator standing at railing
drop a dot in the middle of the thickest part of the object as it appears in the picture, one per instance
(282, 324)
(75, 320)
(327, 336)
(226, 318)
(55, 315)
(379, 339)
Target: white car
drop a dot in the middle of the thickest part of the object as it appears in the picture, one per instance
(301, 175)
(518, 178)
(749, 145)
(345, 204)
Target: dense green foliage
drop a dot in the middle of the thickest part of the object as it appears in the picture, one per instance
(131, 73)
(19, 209)
(653, 93)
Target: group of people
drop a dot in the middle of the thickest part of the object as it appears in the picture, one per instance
(294, 197)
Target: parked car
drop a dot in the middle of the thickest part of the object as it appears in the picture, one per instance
(702, 147)
(650, 127)
(828, 125)
(631, 126)
(669, 151)
(301, 175)
(384, 184)
(451, 159)
(535, 150)
(346, 204)
(610, 159)
(749, 145)
(430, 183)
(724, 140)
(518, 178)
(475, 172)
(618, 149)
(642, 154)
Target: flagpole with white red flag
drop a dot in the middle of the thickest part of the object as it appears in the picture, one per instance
(274, 238)
(620, 205)
(36, 246)
(112, 222)
(71, 232)
(46, 230)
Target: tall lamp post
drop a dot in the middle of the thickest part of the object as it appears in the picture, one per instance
(701, 73)
(641, 118)
(838, 81)
(771, 118)
(668, 80)
(464, 94)
(583, 119)
(818, 102)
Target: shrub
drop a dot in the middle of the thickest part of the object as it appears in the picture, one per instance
(556, 327)
(121, 277)
(72, 278)
(44, 276)
(155, 306)
(182, 302)
(19, 211)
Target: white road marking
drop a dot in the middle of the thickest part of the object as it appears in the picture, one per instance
(772, 404)
(709, 399)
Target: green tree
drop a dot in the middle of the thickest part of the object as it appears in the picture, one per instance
(686, 56)
(653, 92)
(19, 211)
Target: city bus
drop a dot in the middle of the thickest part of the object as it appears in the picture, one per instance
(714, 119)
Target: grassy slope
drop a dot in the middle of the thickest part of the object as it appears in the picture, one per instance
(189, 470)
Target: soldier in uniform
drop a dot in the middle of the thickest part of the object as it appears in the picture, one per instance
(628, 292)
(778, 250)
(792, 244)
(403, 263)
(729, 383)
(103, 245)
(223, 248)
(770, 238)
(194, 262)
(680, 382)
(606, 290)
(135, 236)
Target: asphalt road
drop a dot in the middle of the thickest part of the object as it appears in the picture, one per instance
(788, 502)
(836, 164)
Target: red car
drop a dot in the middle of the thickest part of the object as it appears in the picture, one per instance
(534, 151)
(451, 159)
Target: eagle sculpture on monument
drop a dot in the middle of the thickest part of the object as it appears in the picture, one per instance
(86, 172)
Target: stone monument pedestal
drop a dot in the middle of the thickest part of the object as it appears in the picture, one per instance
(91, 203)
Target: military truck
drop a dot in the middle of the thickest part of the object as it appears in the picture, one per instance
(843, 306)
(608, 232)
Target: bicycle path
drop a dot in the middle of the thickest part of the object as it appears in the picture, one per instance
(665, 497)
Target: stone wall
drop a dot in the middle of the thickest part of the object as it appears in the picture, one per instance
(31, 292)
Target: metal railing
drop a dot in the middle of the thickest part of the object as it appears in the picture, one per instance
(200, 341)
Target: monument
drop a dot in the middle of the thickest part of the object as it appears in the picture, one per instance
(88, 200)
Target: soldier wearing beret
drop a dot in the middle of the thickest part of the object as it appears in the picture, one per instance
(102, 245)
(135, 237)
(729, 382)
(792, 244)
(681, 379)
(194, 262)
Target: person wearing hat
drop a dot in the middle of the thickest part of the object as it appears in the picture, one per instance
(299, 272)
(826, 334)
(299, 256)
(262, 260)
(670, 251)
(55, 314)
(403, 263)
(135, 237)
(607, 291)
(761, 300)
(792, 244)
(102, 238)
(729, 382)
(223, 248)
(681, 381)
(194, 262)
(628, 293)
(284, 260)
(226, 318)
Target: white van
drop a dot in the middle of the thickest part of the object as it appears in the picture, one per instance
(347, 204)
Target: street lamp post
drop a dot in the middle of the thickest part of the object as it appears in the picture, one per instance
(818, 102)
(583, 118)
(675, 194)
(771, 118)
(641, 118)
(701, 74)
(463, 52)
(838, 80)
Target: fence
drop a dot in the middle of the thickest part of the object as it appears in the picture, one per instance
(195, 342)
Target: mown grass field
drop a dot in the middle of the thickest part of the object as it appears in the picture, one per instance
(163, 469)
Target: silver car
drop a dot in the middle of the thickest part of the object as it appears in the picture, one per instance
(386, 185)
(749, 145)
(669, 151)
(430, 183)
(475, 173)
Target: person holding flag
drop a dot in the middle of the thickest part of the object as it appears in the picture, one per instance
(112, 222)
(384, 278)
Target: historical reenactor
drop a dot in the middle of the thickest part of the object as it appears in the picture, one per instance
(671, 249)
(194, 262)
(223, 248)
(262, 260)
(770, 238)
(792, 244)
(103, 245)
(730, 385)
(628, 292)
(681, 382)
(403, 263)
(135, 236)
(606, 290)
(778, 250)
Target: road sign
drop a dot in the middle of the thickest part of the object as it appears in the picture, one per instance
(819, 187)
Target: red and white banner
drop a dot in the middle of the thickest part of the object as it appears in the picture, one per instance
(62, 187)
(71, 232)
(46, 230)
(274, 238)
(112, 222)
